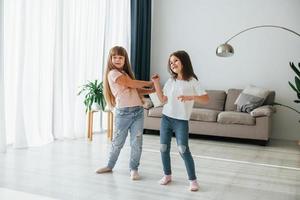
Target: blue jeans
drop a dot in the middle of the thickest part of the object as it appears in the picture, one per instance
(128, 119)
(181, 130)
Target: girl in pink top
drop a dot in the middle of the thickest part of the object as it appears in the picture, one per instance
(123, 93)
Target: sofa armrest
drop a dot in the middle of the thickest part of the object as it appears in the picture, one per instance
(265, 110)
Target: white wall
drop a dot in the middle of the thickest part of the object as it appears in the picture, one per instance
(261, 55)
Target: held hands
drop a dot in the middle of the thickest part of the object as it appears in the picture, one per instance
(151, 84)
(152, 90)
(184, 98)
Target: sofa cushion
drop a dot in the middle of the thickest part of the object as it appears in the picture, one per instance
(250, 98)
(155, 112)
(206, 115)
(155, 100)
(216, 100)
(229, 117)
(232, 95)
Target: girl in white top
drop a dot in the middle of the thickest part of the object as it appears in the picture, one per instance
(178, 96)
(123, 93)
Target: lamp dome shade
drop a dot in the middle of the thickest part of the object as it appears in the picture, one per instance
(225, 50)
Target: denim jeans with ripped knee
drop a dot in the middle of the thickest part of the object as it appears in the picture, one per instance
(181, 130)
(128, 119)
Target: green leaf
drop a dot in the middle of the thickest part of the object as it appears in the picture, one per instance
(293, 87)
(297, 81)
(102, 104)
(295, 69)
(92, 99)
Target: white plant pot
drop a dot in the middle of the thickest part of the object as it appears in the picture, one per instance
(95, 107)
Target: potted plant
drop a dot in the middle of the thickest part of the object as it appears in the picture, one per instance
(296, 87)
(94, 97)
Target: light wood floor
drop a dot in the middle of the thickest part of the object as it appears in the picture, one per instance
(225, 170)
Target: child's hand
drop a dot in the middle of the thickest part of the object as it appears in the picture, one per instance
(155, 78)
(183, 98)
(151, 84)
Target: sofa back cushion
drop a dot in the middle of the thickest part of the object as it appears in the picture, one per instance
(233, 94)
(205, 115)
(216, 100)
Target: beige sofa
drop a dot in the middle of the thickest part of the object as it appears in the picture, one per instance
(220, 118)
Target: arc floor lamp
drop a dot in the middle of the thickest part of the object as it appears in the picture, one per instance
(226, 50)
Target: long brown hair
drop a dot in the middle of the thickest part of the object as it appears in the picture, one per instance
(120, 51)
(187, 69)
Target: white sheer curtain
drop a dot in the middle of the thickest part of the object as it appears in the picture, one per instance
(81, 35)
(52, 47)
(2, 115)
(115, 24)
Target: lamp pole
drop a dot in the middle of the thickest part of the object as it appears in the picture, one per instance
(226, 50)
(262, 26)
